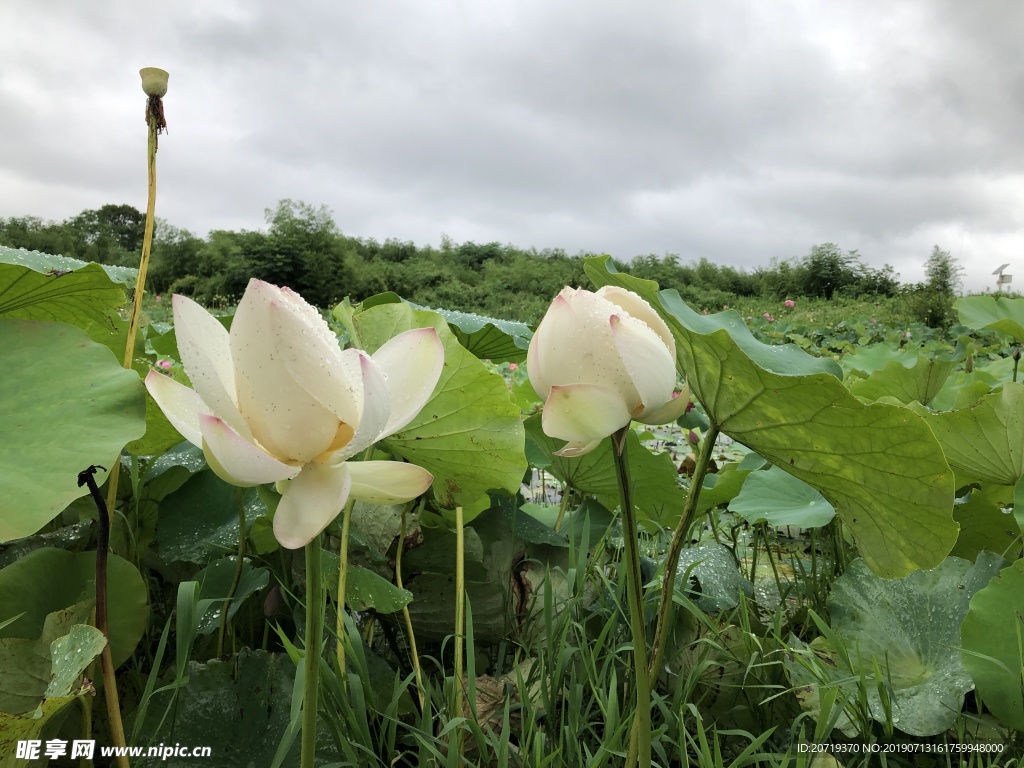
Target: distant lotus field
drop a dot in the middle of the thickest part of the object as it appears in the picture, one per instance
(636, 533)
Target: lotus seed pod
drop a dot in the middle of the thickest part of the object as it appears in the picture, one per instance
(154, 81)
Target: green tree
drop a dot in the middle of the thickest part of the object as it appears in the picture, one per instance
(943, 272)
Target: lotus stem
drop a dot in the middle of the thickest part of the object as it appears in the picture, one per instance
(640, 735)
(311, 661)
(460, 619)
(405, 613)
(240, 503)
(87, 478)
(679, 536)
(339, 625)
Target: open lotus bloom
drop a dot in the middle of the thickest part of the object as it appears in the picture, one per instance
(601, 360)
(276, 399)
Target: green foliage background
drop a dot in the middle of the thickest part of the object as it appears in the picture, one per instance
(302, 247)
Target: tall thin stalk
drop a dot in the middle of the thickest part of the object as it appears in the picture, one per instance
(640, 736)
(314, 635)
(405, 613)
(87, 478)
(679, 536)
(154, 84)
(460, 620)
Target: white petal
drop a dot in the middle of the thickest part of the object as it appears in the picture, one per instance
(412, 363)
(205, 350)
(315, 360)
(376, 410)
(309, 504)
(284, 417)
(559, 319)
(180, 405)
(238, 461)
(641, 310)
(388, 482)
(574, 345)
(583, 412)
(647, 360)
(670, 411)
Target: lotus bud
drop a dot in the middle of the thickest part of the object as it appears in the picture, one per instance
(601, 360)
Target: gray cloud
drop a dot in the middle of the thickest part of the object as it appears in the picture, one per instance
(736, 132)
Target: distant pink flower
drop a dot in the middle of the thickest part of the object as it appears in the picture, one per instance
(790, 303)
(768, 316)
(704, 312)
(159, 298)
(513, 366)
(165, 364)
(872, 319)
(725, 306)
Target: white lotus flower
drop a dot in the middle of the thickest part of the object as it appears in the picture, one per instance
(277, 399)
(601, 360)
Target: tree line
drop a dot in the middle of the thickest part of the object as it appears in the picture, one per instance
(303, 248)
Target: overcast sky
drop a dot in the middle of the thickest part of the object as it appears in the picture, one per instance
(739, 132)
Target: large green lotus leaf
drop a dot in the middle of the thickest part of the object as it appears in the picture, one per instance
(992, 313)
(985, 526)
(656, 495)
(469, 434)
(879, 465)
(488, 338)
(67, 405)
(869, 359)
(721, 488)
(83, 297)
(26, 663)
(921, 381)
(908, 630)
(49, 262)
(778, 498)
(365, 589)
(199, 520)
(239, 707)
(985, 442)
(709, 575)
(963, 389)
(993, 644)
(15, 728)
(215, 582)
(48, 580)
(71, 655)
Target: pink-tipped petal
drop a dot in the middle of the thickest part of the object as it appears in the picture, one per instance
(180, 405)
(641, 310)
(376, 410)
(387, 482)
(283, 416)
(558, 322)
(647, 360)
(584, 412)
(412, 363)
(205, 350)
(670, 411)
(236, 460)
(309, 503)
